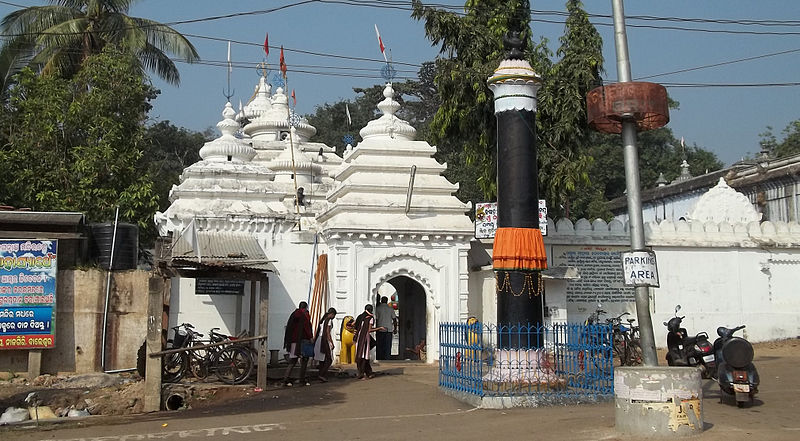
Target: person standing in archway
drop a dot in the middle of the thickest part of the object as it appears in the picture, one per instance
(385, 318)
(365, 327)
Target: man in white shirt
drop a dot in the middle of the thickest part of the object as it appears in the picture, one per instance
(385, 317)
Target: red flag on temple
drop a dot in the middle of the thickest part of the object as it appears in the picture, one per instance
(266, 44)
(380, 44)
(283, 63)
(294, 99)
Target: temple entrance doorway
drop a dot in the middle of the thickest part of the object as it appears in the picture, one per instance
(408, 301)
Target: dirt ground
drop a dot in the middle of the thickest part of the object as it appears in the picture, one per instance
(122, 394)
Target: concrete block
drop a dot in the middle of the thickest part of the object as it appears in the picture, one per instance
(656, 402)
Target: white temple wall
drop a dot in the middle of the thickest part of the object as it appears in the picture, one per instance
(230, 313)
(728, 287)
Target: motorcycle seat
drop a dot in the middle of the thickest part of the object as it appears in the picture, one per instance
(738, 352)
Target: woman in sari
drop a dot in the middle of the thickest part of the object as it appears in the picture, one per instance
(323, 344)
(365, 328)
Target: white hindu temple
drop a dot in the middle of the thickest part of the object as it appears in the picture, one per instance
(383, 214)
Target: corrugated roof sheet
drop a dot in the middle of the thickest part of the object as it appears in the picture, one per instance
(219, 249)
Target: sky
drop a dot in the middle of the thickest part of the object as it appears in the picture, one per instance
(331, 47)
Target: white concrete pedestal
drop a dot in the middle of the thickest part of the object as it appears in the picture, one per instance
(658, 402)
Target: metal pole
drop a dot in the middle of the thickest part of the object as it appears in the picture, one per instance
(108, 292)
(632, 185)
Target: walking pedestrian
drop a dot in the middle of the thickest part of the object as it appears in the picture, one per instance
(323, 344)
(298, 329)
(363, 343)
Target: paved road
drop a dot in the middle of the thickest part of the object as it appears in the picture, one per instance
(404, 403)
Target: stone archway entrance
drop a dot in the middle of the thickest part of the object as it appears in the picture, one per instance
(412, 314)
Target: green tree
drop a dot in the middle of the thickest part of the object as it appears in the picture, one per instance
(564, 133)
(76, 145)
(471, 46)
(659, 152)
(60, 37)
(168, 149)
(789, 145)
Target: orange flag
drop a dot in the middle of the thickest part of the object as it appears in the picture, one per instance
(294, 99)
(283, 63)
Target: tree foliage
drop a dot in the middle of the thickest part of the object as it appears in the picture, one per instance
(76, 145)
(60, 37)
(659, 152)
(789, 145)
(564, 133)
(579, 170)
(168, 149)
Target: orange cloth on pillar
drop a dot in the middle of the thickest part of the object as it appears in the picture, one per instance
(520, 249)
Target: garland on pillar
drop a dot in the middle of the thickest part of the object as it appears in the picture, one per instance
(529, 286)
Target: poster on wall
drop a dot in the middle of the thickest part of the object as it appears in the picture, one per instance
(28, 270)
(486, 219)
(600, 268)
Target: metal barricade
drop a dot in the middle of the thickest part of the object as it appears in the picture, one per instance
(562, 360)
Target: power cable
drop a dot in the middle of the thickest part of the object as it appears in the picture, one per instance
(724, 63)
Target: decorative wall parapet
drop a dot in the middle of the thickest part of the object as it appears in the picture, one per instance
(680, 233)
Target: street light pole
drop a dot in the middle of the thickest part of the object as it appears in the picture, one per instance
(633, 186)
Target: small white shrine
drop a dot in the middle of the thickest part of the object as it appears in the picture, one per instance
(265, 197)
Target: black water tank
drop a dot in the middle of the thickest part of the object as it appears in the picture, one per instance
(126, 247)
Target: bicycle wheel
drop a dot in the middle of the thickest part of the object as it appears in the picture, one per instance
(198, 360)
(634, 353)
(232, 365)
(173, 366)
(620, 349)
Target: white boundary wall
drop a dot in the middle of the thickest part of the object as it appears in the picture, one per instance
(721, 274)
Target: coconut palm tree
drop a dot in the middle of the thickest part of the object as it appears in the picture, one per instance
(57, 38)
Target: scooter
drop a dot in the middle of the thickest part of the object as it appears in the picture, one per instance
(736, 373)
(683, 350)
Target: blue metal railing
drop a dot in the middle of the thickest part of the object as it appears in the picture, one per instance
(560, 360)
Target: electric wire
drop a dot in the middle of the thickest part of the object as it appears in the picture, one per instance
(404, 6)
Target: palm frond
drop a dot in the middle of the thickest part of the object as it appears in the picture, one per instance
(36, 19)
(166, 39)
(15, 54)
(154, 60)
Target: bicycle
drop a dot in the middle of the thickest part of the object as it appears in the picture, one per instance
(173, 366)
(595, 342)
(626, 344)
(232, 363)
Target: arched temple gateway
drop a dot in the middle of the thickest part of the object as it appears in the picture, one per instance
(384, 215)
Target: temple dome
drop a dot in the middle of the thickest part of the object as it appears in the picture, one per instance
(272, 123)
(388, 125)
(227, 148)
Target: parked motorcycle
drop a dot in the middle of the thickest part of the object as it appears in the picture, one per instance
(683, 350)
(736, 373)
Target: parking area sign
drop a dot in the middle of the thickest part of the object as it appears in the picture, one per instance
(639, 268)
